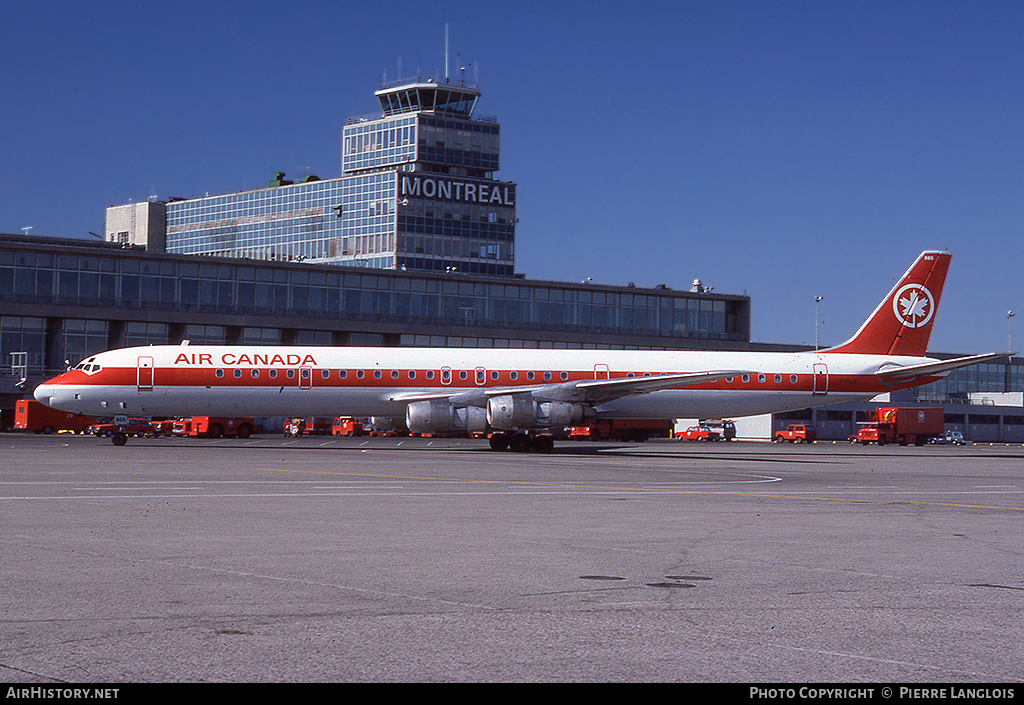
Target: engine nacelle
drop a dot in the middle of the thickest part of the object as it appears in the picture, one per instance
(510, 412)
(438, 416)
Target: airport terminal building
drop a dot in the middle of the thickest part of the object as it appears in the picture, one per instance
(61, 300)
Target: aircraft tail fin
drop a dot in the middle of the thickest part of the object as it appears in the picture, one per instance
(902, 323)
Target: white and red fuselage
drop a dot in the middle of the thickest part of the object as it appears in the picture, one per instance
(283, 381)
(509, 390)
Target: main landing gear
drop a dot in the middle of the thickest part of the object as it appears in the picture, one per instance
(522, 442)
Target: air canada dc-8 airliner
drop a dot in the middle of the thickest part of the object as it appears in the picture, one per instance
(517, 395)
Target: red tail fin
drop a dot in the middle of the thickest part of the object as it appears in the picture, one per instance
(903, 321)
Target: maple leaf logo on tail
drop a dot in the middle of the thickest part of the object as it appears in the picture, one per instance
(902, 322)
(912, 305)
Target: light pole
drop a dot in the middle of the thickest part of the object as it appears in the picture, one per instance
(817, 301)
(1009, 325)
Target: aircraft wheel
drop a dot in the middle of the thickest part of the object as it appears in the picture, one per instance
(119, 439)
(519, 443)
(543, 444)
(499, 441)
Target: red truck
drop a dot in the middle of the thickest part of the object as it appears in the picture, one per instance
(638, 430)
(30, 415)
(903, 425)
(345, 426)
(797, 433)
(215, 426)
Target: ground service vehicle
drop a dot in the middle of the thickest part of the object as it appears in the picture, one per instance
(727, 429)
(903, 425)
(308, 427)
(638, 430)
(952, 438)
(30, 415)
(346, 426)
(163, 427)
(699, 433)
(519, 394)
(221, 427)
(131, 427)
(797, 433)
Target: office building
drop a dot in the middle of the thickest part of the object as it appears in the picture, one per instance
(417, 193)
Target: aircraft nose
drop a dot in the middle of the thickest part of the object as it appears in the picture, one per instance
(43, 393)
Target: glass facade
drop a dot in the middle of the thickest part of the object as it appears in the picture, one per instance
(417, 193)
(103, 297)
(986, 377)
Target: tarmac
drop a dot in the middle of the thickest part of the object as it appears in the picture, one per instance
(321, 559)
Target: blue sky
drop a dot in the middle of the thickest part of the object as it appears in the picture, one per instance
(785, 150)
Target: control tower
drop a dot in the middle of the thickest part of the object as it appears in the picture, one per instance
(450, 213)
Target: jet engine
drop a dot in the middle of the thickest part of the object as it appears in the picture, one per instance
(510, 412)
(438, 416)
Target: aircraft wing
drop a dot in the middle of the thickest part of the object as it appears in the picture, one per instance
(937, 367)
(593, 391)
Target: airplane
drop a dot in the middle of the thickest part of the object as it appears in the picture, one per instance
(517, 395)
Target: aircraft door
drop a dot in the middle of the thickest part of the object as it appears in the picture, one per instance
(820, 378)
(305, 378)
(144, 376)
(601, 371)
